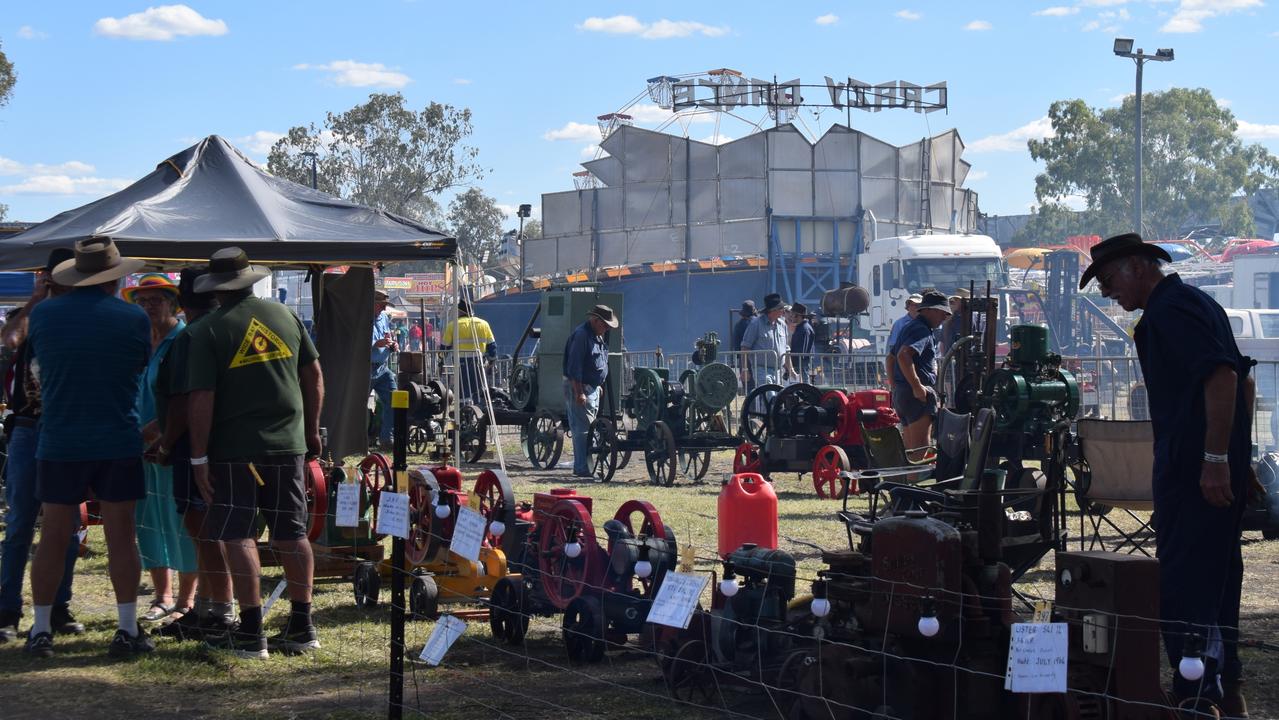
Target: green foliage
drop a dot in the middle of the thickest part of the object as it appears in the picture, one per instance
(1193, 165)
(7, 78)
(384, 155)
(476, 222)
(532, 229)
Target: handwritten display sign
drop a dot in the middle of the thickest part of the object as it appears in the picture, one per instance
(1037, 654)
(468, 533)
(447, 630)
(393, 514)
(677, 599)
(348, 509)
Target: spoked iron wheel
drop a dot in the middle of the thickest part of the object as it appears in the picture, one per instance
(603, 452)
(497, 504)
(655, 533)
(583, 630)
(829, 462)
(426, 532)
(317, 499)
(755, 409)
(374, 475)
(507, 616)
(544, 440)
(417, 440)
(688, 677)
(660, 454)
(474, 432)
(565, 574)
(747, 459)
(694, 463)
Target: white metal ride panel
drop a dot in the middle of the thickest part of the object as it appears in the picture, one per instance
(790, 192)
(607, 169)
(647, 204)
(741, 199)
(743, 158)
(655, 245)
(880, 197)
(908, 206)
(788, 149)
(609, 210)
(560, 213)
(945, 151)
(612, 249)
(705, 160)
(836, 150)
(704, 198)
(834, 193)
(647, 157)
(942, 200)
(747, 237)
(575, 252)
(708, 241)
(908, 161)
(540, 256)
(879, 159)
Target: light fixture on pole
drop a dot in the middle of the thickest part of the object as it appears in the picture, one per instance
(1123, 48)
(314, 158)
(525, 211)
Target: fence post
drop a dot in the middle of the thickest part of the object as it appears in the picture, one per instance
(400, 407)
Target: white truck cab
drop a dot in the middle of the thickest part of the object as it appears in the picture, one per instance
(893, 268)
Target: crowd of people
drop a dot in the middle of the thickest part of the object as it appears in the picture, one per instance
(191, 417)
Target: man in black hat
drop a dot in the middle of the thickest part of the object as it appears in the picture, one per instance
(915, 369)
(802, 341)
(23, 399)
(473, 338)
(745, 316)
(381, 379)
(1201, 400)
(585, 372)
(766, 344)
(255, 392)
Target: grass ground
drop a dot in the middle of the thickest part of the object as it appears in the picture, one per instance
(479, 679)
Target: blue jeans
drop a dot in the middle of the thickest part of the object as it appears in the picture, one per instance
(20, 494)
(384, 384)
(580, 418)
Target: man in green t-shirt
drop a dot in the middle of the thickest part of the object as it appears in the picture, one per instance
(254, 413)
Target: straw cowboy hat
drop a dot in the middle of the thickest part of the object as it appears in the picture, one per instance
(96, 261)
(150, 281)
(229, 269)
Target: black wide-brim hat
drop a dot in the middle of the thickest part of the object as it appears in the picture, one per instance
(229, 270)
(1119, 246)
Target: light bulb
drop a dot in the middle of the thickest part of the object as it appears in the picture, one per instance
(1041, 481)
(573, 549)
(820, 607)
(496, 528)
(928, 625)
(1191, 667)
(643, 568)
(728, 587)
(442, 511)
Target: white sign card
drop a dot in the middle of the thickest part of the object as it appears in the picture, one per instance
(1037, 655)
(393, 514)
(468, 534)
(447, 630)
(275, 595)
(348, 509)
(677, 599)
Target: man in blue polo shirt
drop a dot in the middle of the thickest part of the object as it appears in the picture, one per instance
(89, 435)
(915, 370)
(585, 370)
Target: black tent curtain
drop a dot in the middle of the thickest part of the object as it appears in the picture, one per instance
(343, 307)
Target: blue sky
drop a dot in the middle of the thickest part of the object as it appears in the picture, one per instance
(108, 89)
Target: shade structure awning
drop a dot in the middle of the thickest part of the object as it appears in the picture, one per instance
(211, 196)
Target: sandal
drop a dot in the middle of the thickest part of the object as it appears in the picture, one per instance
(157, 612)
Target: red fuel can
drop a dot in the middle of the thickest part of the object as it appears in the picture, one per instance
(747, 513)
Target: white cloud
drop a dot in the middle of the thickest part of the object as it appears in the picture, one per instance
(1256, 131)
(26, 32)
(1015, 139)
(1223, 102)
(590, 151)
(827, 19)
(658, 30)
(511, 210)
(1056, 11)
(717, 140)
(1190, 14)
(357, 74)
(976, 175)
(65, 185)
(461, 81)
(1103, 3)
(1119, 99)
(71, 167)
(908, 15)
(573, 131)
(978, 25)
(258, 143)
(160, 23)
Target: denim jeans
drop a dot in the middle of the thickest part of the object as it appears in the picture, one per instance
(384, 385)
(580, 418)
(20, 494)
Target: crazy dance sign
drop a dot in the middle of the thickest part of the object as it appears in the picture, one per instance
(726, 90)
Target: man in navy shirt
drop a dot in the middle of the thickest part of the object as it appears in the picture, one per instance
(89, 434)
(585, 370)
(381, 379)
(1201, 399)
(802, 341)
(746, 316)
(912, 309)
(915, 370)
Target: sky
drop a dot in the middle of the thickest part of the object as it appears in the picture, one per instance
(108, 89)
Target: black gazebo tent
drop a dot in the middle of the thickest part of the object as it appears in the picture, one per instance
(210, 196)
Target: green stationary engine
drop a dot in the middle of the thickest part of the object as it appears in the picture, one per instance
(1031, 393)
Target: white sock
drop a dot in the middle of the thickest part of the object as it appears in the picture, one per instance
(128, 613)
(42, 623)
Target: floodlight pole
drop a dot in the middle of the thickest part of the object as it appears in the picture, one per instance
(1123, 48)
(314, 158)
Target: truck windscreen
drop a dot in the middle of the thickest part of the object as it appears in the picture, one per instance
(949, 275)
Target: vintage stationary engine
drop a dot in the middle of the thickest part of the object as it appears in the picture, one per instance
(1031, 393)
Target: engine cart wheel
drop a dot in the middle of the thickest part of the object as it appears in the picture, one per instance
(508, 614)
(545, 440)
(660, 454)
(755, 413)
(317, 499)
(497, 504)
(424, 597)
(829, 462)
(583, 630)
(650, 526)
(566, 574)
(427, 533)
(623, 459)
(693, 464)
(374, 476)
(836, 402)
(603, 452)
(367, 583)
(688, 676)
(748, 459)
(417, 440)
(474, 432)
